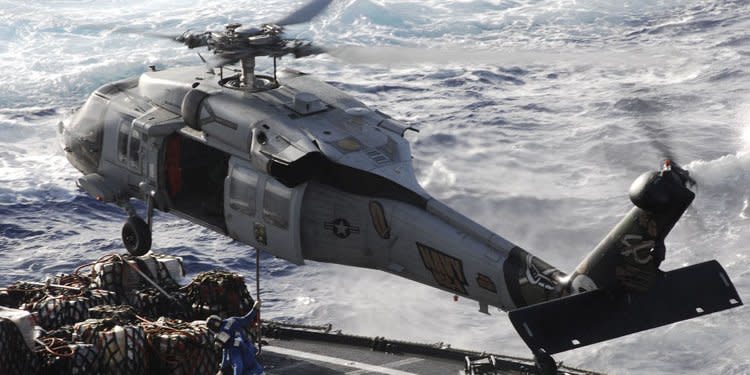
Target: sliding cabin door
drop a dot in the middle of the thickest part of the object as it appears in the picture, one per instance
(262, 212)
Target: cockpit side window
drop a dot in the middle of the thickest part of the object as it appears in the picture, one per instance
(128, 140)
(122, 141)
(135, 150)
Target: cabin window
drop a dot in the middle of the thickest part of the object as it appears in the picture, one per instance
(122, 141)
(242, 190)
(276, 203)
(128, 140)
(135, 150)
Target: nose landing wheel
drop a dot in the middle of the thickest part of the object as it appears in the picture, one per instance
(136, 233)
(136, 236)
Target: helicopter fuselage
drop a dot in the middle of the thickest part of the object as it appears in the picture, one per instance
(300, 175)
(306, 172)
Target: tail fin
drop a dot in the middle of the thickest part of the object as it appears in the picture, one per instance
(600, 315)
(630, 255)
(618, 288)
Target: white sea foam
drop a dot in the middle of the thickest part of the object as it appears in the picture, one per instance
(537, 136)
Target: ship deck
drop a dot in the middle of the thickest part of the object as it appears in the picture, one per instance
(294, 351)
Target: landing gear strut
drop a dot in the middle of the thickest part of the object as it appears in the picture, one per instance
(136, 233)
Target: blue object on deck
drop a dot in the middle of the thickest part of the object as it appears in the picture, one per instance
(238, 351)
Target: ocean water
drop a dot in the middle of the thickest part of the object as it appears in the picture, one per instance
(534, 116)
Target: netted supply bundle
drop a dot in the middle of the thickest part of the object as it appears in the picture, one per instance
(99, 297)
(54, 311)
(168, 271)
(19, 293)
(124, 273)
(122, 349)
(60, 356)
(110, 275)
(182, 348)
(16, 358)
(219, 293)
(84, 359)
(120, 313)
(24, 321)
(152, 303)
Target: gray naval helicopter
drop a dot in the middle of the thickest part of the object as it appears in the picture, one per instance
(295, 167)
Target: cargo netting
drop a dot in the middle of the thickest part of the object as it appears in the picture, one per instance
(119, 315)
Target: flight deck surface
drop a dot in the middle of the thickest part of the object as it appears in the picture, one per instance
(300, 357)
(292, 351)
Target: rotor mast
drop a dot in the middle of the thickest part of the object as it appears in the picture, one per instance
(247, 78)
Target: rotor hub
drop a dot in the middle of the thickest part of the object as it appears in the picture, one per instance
(236, 44)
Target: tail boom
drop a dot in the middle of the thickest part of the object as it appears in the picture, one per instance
(618, 289)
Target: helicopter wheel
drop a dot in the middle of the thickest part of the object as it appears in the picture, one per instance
(136, 236)
(545, 364)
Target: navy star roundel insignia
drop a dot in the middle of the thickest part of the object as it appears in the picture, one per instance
(341, 227)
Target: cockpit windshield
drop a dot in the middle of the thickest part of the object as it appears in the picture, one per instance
(82, 136)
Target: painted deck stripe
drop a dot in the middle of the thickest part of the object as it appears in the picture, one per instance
(403, 362)
(335, 361)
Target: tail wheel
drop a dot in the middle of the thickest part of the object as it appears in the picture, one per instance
(136, 236)
(545, 364)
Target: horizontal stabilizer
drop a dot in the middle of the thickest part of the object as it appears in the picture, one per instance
(599, 315)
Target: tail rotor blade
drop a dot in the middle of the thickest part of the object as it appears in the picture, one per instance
(661, 141)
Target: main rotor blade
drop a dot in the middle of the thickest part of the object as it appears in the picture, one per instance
(455, 54)
(174, 37)
(305, 13)
(396, 55)
(151, 34)
(420, 55)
